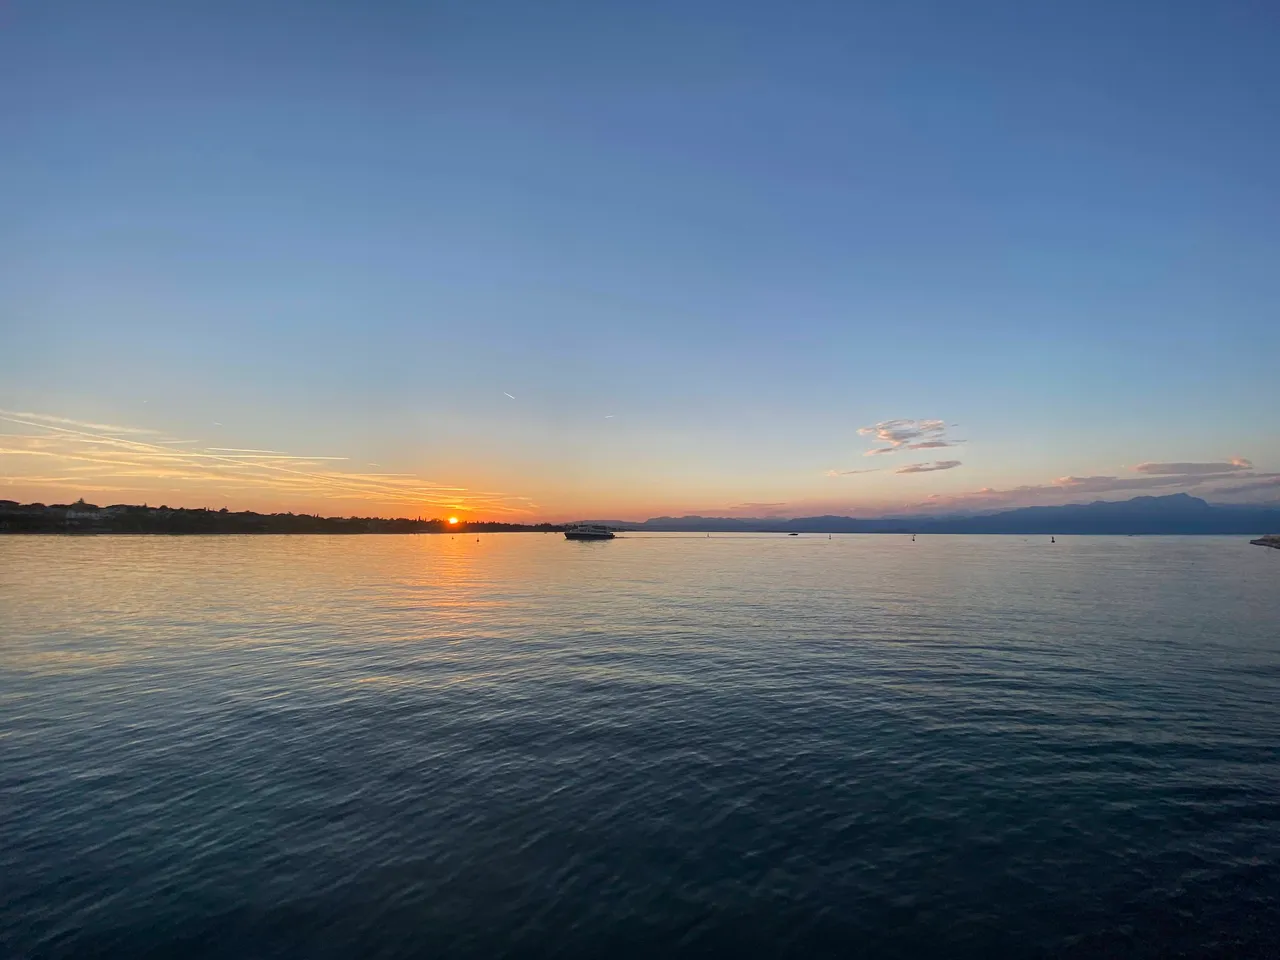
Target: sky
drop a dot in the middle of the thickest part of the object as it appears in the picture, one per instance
(576, 259)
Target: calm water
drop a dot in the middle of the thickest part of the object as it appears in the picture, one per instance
(659, 746)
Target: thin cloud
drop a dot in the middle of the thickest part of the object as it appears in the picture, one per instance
(243, 450)
(849, 473)
(119, 458)
(907, 434)
(45, 418)
(1103, 484)
(932, 444)
(75, 483)
(1234, 465)
(1158, 477)
(758, 509)
(1264, 481)
(258, 456)
(929, 467)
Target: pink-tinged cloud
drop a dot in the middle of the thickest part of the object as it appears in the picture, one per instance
(1265, 481)
(906, 434)
(751, 509)
(848, 473)
(1234, 465)
(1065, 489)
(929, 467)
(1101, 484)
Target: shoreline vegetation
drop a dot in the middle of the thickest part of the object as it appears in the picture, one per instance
(1173, 514)
(81, 517)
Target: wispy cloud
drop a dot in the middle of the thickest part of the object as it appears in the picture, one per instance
(45, 418)
(1234, 465)
(756, 509)
(76, 484)
(241, 449)
(929, 467)
(1202, 477)
(906, 434)
(104, 457)
(849, 473)
(1269, 482)
(258, 456)
(1104, 483)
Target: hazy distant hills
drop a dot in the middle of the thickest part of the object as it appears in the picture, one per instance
(1176, 513)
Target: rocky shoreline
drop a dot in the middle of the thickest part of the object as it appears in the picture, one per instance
(1269, 541)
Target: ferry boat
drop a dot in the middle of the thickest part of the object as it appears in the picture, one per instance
(588, 531)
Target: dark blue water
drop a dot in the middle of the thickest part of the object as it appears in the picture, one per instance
(659, 746)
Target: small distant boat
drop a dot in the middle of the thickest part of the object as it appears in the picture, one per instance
(793, 534)
(588, 531)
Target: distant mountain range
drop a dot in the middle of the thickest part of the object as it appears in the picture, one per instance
(1173, 514)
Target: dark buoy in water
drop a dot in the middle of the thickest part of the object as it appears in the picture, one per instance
(913, 538)
(1051, 539)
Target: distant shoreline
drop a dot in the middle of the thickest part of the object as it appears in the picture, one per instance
(622, 534)
(80, 518)
(255, 533)
(1173, 515)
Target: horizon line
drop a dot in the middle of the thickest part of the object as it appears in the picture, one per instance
(460, 520)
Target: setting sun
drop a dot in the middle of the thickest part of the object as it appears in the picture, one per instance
(453, 519)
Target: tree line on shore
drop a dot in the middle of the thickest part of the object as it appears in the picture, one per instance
(81, 517)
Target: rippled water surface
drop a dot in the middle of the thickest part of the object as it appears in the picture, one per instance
(658, 746)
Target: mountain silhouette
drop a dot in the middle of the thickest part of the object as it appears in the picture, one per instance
(1177, 513)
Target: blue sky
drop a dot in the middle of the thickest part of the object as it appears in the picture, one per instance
(700, 244)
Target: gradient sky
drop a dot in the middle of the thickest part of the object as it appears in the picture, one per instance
(571, 259)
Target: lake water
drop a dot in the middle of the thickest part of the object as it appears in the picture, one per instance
(657, 746)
